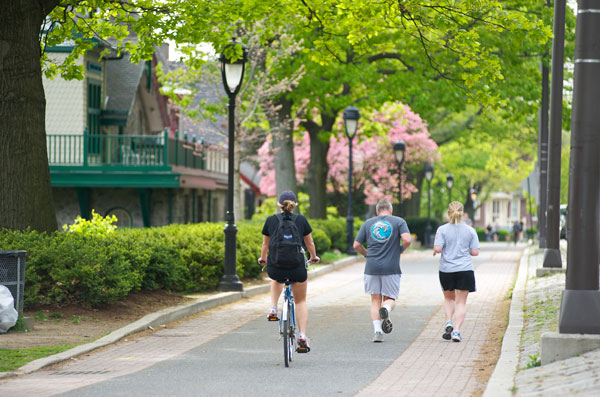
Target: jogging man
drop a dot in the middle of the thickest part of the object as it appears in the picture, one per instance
(387, 236)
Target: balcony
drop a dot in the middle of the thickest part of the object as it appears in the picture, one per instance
(129, 160)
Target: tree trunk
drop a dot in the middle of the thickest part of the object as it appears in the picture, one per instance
(26, 194)
(318, 168)
(283, 146)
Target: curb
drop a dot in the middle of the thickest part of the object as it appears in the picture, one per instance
(503, 377)
(163, 317)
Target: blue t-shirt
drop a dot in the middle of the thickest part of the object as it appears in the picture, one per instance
(382, 235)
(457, 242)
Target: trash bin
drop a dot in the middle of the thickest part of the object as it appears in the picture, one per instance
(12, 275)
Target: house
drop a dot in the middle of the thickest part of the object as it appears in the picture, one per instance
(502, 209)
(113, 146)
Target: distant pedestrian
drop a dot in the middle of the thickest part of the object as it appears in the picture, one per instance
(488, 233)
(457, 242)
(387, 236)
(517, 229)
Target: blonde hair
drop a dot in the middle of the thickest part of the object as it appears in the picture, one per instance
(288, 206)
(455, 212)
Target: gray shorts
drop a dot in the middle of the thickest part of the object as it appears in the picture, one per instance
(386, 285)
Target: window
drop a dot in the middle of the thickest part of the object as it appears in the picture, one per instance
(93, 124)
(496, 208)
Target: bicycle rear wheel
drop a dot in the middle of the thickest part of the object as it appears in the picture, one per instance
(286, 342)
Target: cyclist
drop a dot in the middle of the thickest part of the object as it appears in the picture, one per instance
(387, 236)
(297, 274)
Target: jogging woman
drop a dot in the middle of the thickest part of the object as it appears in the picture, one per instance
(457, 243)
(297, 274)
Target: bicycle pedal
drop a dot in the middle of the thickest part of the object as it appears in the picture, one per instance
(302, 349)
(273, 319)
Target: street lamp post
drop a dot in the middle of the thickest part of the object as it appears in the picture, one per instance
(232, 73)
(428, 169)
(351, 116)
(449, 184)
(399, 149)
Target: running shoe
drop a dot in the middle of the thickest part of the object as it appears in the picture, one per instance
(378, 337)
(386, 323)
(456, 336)
(448, 328)
(303, 346)
(272, 315)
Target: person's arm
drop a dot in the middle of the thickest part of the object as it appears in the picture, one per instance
(437, 250)
(264, 250)
(358, 247)
(474, 252)
(474, 247)
(310, 246)
(406, 240)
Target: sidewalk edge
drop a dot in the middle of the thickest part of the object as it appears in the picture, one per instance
(503, 377)
(163, 317)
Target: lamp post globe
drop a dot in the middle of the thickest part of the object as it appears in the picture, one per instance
(232, 71)
(399, 149)
(351, 116)
(428, 171)
(449, 184)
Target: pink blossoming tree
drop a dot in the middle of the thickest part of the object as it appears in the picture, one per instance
(375, 170)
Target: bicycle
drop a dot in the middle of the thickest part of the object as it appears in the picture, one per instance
(287, 321)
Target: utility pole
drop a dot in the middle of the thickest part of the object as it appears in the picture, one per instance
(543, 154)
(552, 256)
(580, 306)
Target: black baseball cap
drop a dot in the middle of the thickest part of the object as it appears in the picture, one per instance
(287, 195)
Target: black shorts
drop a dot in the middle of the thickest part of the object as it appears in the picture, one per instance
(464, 281)
(295, 275)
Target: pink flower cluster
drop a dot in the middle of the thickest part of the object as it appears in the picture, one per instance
(375, 170)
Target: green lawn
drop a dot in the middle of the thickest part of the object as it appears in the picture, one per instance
(11, 359)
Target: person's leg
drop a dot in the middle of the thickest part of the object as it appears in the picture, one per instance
(375, 306)
(449, 304)
(299, 291)
(461, 308)
(276, 289)
(389, 302)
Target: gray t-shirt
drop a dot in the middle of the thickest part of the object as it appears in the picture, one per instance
(456, 240)
(382, 235)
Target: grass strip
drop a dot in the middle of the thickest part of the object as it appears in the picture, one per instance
(12, 359)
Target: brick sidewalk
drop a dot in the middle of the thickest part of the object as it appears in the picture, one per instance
(432, 366)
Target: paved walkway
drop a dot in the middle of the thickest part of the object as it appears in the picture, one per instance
(434, 367)
(429, 366)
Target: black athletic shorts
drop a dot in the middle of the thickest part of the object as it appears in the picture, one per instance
(296, 275)
(464, 281)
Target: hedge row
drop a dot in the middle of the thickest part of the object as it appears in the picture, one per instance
(67, 267)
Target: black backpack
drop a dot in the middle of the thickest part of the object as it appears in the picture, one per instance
(285, 246)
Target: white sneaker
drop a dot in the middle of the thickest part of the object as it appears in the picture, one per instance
(448, 328)
(378, 337)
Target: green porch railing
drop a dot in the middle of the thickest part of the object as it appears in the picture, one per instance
(125, 151)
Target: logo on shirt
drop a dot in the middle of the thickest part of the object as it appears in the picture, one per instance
(381, 230)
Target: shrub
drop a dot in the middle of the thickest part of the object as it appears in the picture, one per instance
(418, 225)
(322, 241)
(97, 265)
(481, 234)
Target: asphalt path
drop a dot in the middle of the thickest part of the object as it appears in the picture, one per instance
(248, 360)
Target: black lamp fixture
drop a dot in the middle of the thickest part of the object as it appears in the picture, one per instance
(351, 116)
(473, 194)
(428, 170)
(232, 71)
(449, 184)
(399, 149)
